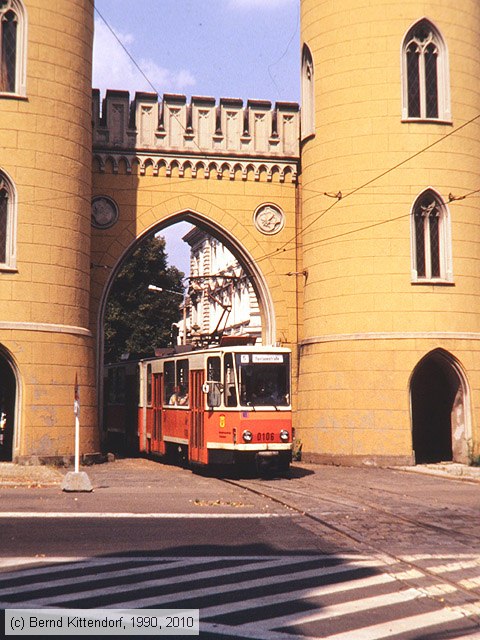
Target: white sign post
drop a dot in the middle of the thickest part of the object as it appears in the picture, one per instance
(76, 411)
(77, 480)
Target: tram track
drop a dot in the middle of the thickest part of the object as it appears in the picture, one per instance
(470, 594)
(362, 503)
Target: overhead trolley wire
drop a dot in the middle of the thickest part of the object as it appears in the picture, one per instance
(340, 194)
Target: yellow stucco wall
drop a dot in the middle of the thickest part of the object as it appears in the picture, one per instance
(46, 152)
(366, 324)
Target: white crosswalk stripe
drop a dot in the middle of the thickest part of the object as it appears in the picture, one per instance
(278, 597)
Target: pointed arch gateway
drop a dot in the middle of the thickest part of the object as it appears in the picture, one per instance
(264, 299)
(259, 284)
(250, 266)
(440, 408)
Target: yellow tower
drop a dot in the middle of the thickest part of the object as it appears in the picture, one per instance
(389, 367)
(45, 191)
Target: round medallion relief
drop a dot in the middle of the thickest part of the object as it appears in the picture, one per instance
(104, 212)
(269, 219)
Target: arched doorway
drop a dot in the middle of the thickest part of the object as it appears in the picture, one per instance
(8, 393)
(440, 424)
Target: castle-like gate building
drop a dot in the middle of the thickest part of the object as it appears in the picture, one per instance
(355, 215)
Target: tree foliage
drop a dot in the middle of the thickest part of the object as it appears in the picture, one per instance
(138, 320)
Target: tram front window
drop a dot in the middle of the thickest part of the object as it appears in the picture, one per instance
(264, 379)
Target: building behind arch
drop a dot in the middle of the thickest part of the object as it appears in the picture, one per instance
(354, 218)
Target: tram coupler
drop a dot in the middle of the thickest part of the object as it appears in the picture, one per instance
(267, 462)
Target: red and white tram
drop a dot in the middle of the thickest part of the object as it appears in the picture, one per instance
(219, 406)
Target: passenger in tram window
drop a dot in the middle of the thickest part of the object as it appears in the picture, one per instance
(182, 397)
(175, 395)
(179, 397)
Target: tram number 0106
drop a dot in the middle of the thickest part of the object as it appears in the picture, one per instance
(265, 437)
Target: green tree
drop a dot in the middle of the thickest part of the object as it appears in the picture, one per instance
(138, 320)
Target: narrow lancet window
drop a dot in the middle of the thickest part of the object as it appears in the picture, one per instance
(7, 223)
(426, 92)
(12, 47)
(431, 245)
(308, 94)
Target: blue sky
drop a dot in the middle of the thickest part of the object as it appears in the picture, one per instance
(245, 49)
(221, 48)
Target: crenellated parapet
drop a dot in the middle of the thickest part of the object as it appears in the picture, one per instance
(228, 138)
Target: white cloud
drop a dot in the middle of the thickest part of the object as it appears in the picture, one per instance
(113, 69)
(260, 4)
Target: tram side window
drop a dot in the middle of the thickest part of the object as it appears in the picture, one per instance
(213, 369)
(169, 381)
(214, 393)
(176, 383)
(149, 385)
(229, 375)
(137, 384)
(182, 382)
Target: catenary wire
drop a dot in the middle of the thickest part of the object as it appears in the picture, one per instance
(283, 248)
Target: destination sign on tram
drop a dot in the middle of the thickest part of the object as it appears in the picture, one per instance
(267, 358)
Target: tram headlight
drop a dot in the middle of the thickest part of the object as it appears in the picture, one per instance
(247, 436)
(284, 436)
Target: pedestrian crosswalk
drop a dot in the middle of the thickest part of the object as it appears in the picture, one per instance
(264, 597)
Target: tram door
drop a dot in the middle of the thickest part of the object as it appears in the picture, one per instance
(197, 438)
(157, 401)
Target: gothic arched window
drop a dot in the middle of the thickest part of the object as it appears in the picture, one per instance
(7, 223)
(308, 94)
(13, 45)
(431, 241)
(426, 91)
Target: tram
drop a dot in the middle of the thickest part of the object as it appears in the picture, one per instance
(227, 405)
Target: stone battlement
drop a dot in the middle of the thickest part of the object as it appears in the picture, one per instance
(199, 127)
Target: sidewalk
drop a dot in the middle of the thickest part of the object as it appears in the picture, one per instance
(128, 487)
(447, 469)
(37, 476)
(16, 475)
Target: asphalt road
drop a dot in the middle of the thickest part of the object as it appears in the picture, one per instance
(329, 552)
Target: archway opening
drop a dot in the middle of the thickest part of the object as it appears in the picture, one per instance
(8, 392)
(217, 291)
(439, 415)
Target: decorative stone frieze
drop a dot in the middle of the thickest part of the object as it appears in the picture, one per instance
(227, 140)
(219, 168)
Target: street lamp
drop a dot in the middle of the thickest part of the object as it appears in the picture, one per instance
(153, 287)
